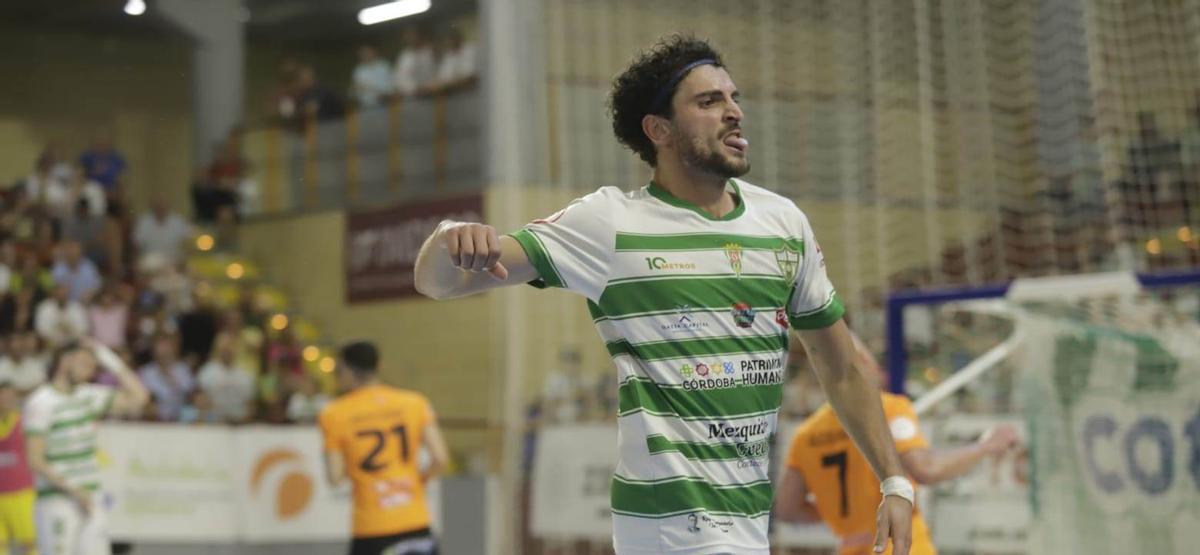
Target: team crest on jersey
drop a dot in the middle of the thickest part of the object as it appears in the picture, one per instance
(733, 252)
(788, 261)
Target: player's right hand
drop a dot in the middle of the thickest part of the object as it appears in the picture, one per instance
(473, 247)
(999, 439)
(84, 499)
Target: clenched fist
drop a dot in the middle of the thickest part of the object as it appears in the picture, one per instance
(472, 247)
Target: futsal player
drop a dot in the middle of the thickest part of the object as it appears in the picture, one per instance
(373, 435)
(693, 281)
(826, 478)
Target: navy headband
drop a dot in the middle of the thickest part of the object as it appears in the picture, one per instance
(668, 89)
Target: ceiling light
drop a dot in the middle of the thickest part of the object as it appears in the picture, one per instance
(392, 10)
(135, 7)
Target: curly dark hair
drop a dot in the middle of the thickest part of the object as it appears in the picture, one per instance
(635, 90)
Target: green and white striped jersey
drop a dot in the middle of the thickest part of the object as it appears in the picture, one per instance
(68, 422)
(695, 312)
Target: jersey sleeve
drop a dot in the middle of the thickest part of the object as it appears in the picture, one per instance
(906, 429)
(814, 304)
(36, 415)
(572, 248)
(330, 439)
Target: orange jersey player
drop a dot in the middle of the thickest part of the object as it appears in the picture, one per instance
(373, 435)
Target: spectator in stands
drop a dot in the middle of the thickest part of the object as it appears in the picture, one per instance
(198, 327)
(286, 99)
(23, 363)
(18, 221)
(285, 351)
(17, 310)
(59, 319)
(76, 272)
(307, 401)
(168, 379)
(229, 385)
(317, 100)
(30, 271)
(415, 67)
(43, 187)
(272, 391)
(104, 165)
(8, 262)
(249, 339)
(109, 316)
(250, 306)
(173, 285)
(60, 168)
(456, 63)
(372, 80)
(80, 187)
(83, 226)
(161, 231)
(200, 409)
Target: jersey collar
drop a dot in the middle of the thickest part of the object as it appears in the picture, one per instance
(664, 195)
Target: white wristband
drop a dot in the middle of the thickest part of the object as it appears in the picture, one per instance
(898, 486)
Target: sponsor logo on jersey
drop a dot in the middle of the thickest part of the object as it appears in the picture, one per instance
(788, 261)
(724, 374)
(733, 253)
(685, 320)
(730, 368)
(781, 317)
(724, 430)
(753, 453)
(686, 370)
(702, 521)
(701, 369)
(743, 315)
(660, 263)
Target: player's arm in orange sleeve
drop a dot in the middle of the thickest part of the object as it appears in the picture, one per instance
(791, 497)
(335, 461)
(439, 455)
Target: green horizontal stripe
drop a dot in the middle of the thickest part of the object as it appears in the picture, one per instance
(658, 294)
(704, 241)
(687, 494)
(71, 456)
(695, 451)
(710, 403)
(82, 420)
(823, 318)
(536, 252)
(724, 275)
(42, 492)
(699, 347)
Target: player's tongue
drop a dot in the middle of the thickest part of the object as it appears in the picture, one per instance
(737, 142)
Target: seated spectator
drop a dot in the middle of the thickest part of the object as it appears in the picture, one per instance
(306, 403)
(250, 340)
(76, 272)
(285, 351)
(104, 165)
(317, 100)
(161, 232)
(17, 310)
(229, 385)
(20, 218)
(31, 272)
(415, 67)
(167, 284)
(109, 316)
(199, 409)
(372, 80)
(456, 63)
(23, 364)
(89, 230)
(198, 328)
(168, 379)
(59, 319)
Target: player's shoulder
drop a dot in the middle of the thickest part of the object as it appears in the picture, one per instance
(42, 396)
(769, 205)
(818, 421)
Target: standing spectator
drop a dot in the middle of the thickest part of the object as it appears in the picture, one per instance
(88, 229)
(79, 187)
(60, 167)
(317, 100)
(456, 62)
(59, 319)
(198, 328)
(227, 384)
(43, 188)
(23, 363)
(17, 310)
(161, 231)
(109, 317)
(415, 67)
(76, 272)
(168, 379)
(104, 165)
(306, 403)
(372, 78)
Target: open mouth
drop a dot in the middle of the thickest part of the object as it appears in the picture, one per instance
(736, 141)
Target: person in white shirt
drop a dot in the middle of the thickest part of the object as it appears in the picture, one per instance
(372, 78)
(80, 187)
(58, 319)
(45, 188)
(229, 386)
(415, 67)
(306, 403)
(22, 364)
(161, 231)
(456, 65)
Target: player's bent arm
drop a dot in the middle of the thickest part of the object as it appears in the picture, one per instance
(928, 466)
(439, 455)
(463, 258)
(791, 499)
(335, 469)
(131, 395)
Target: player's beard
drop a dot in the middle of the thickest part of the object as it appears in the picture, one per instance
(709, 157)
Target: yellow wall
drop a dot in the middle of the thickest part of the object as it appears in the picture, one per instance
(67, 87)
